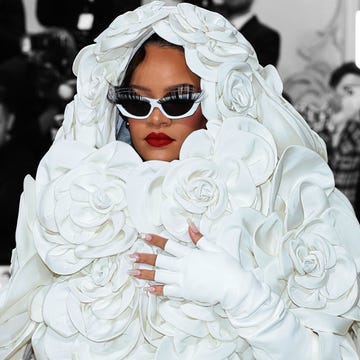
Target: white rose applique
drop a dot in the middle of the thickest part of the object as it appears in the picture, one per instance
(82, 210)
(301, 246)
(97, 309)
(235, 90)
(211, 180)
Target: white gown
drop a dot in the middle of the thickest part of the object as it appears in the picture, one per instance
(255, 182)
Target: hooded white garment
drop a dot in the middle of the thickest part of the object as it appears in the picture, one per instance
(255, 182)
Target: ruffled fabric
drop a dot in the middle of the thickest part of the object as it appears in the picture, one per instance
(255, 182)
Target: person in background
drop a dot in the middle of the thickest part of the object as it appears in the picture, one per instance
(17, 158)
(84, 19)
(265, 40)
(12, 28)
(341, 130)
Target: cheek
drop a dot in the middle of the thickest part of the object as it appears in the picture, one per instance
(193, 123)
(197, 122)
(136, 127)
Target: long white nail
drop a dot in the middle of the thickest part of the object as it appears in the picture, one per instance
(134, 272)
(134, 258)
(193, 227)
(146, 237)
(150, 289)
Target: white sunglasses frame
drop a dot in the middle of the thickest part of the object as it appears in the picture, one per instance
(154, 103)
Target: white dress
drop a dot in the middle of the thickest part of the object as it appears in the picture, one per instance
(255, 182)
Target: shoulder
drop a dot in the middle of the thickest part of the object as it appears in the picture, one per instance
(254, 22)
(352, 129)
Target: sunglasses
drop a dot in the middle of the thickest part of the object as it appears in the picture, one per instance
(174, 106)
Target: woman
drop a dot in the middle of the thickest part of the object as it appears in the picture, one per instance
(342, 130)
(254, 250)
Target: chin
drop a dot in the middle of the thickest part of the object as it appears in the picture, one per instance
(160, 155)
(166, 153)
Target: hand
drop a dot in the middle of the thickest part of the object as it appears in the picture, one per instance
(206, 273)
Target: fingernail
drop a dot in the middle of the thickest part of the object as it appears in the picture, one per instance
(150, 289)
(146, 237)
(193, 227)
(133, 272)
(134, 258)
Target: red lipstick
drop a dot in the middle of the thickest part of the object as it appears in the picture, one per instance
(158, 139)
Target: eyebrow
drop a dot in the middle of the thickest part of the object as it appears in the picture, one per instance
(168, 89)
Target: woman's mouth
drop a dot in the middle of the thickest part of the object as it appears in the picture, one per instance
(158, 139)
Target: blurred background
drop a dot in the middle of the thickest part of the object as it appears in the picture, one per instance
(312, 44)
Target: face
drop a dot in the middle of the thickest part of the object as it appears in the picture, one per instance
(349, 85)
(348, 90)
(163, 73)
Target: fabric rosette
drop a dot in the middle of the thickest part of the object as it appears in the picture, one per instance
(301, 247)
(234, 90)
(82, 209)
(180, 329)
(194, 188)
(98, 306)
(211, 180)
(209, 39)
(200, 190)
(244, 156)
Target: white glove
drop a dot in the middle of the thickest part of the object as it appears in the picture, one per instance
(209, 274)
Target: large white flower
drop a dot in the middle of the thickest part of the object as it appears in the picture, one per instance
(82, 207)
(302, 242)
(208, 38)
(211, 179)
(99, 302)
(195, 188)
(235, 90)
(180, 329)
(319, 264)
(94, 312)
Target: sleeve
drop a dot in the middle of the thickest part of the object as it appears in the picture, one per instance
(272, 331)
(307, 259)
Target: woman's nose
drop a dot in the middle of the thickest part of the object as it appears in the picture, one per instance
(158, 119)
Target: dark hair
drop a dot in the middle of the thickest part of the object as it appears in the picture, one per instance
(139, 56)
(341, 71)
(137, 59)
(123, 132)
